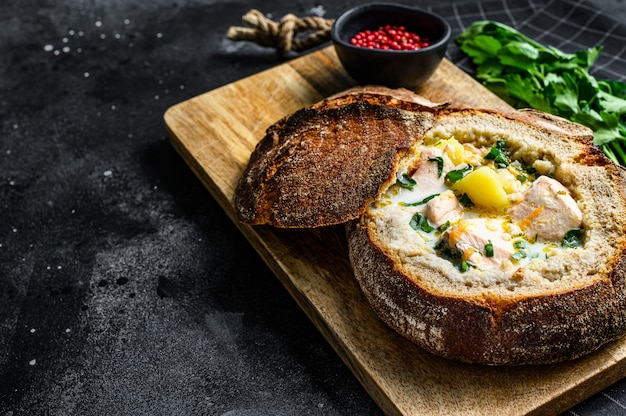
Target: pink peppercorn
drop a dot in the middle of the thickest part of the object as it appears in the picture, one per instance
(389, 37)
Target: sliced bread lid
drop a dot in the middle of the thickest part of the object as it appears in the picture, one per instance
(324, 164)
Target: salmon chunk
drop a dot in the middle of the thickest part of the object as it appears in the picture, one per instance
(428, 176)
(472, 236)
(445, 207)
(547, 211)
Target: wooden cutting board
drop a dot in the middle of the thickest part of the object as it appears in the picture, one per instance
(215, 134)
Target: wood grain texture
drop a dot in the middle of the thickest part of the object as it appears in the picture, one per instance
(215, 134)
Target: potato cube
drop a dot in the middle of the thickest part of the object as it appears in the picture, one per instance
(484, 188)
(454, 150)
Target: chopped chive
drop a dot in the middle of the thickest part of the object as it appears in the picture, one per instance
(489, 249)
(518, 255)
(520, 244)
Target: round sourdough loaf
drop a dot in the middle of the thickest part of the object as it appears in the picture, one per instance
(324, 164)
(554, 309)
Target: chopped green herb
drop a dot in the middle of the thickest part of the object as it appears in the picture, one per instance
(422, 202)
(518, 255)
(466, 201)
(456, 175)
(489, 249)
(443, 227)
(419, 222)
(531, 170)
(465, 265)
(496, 153)
(447, 252)
(572, 239)
(406, 182)
(426, 227)
(415, 221)
(439, 161)
(520, 244)
(522, 178)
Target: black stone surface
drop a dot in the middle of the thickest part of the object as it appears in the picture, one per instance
(124, 288)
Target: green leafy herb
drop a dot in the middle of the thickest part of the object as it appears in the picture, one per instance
(520, 244)
(439, 161)
(426, 227)
(405, 182)
(419, 222)
(496, 153)
(456, 175)
(443, 226)
(531, 170)
(518, 255)
(422, 202)
(489, 249)
(526, 73)
(572, 239)
(466, 201)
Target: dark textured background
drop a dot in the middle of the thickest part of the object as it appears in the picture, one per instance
(124, 288)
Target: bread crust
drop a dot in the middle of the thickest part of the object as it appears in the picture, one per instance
(573, 314)
(522, 330)
(326, 164)
(323, 164)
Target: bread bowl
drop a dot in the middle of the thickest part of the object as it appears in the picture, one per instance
(546, 311)
(458, 303)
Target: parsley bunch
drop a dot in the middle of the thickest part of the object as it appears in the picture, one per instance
(527, 74)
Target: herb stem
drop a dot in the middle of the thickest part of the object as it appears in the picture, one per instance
(620, 148)
(607, 149)
(618, 153)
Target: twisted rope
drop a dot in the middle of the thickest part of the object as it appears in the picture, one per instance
(283, 35)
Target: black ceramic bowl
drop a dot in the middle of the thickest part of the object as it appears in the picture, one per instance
(393, 68)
